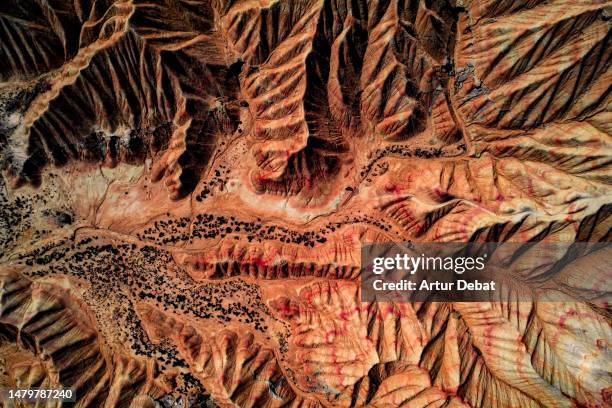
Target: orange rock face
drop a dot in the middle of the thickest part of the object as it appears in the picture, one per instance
(186, 187)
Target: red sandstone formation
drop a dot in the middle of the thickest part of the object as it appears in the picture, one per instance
(186, 186)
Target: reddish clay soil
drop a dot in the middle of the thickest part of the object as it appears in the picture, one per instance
(186, 186)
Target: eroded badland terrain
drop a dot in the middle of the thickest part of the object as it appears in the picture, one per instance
(186, 185)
